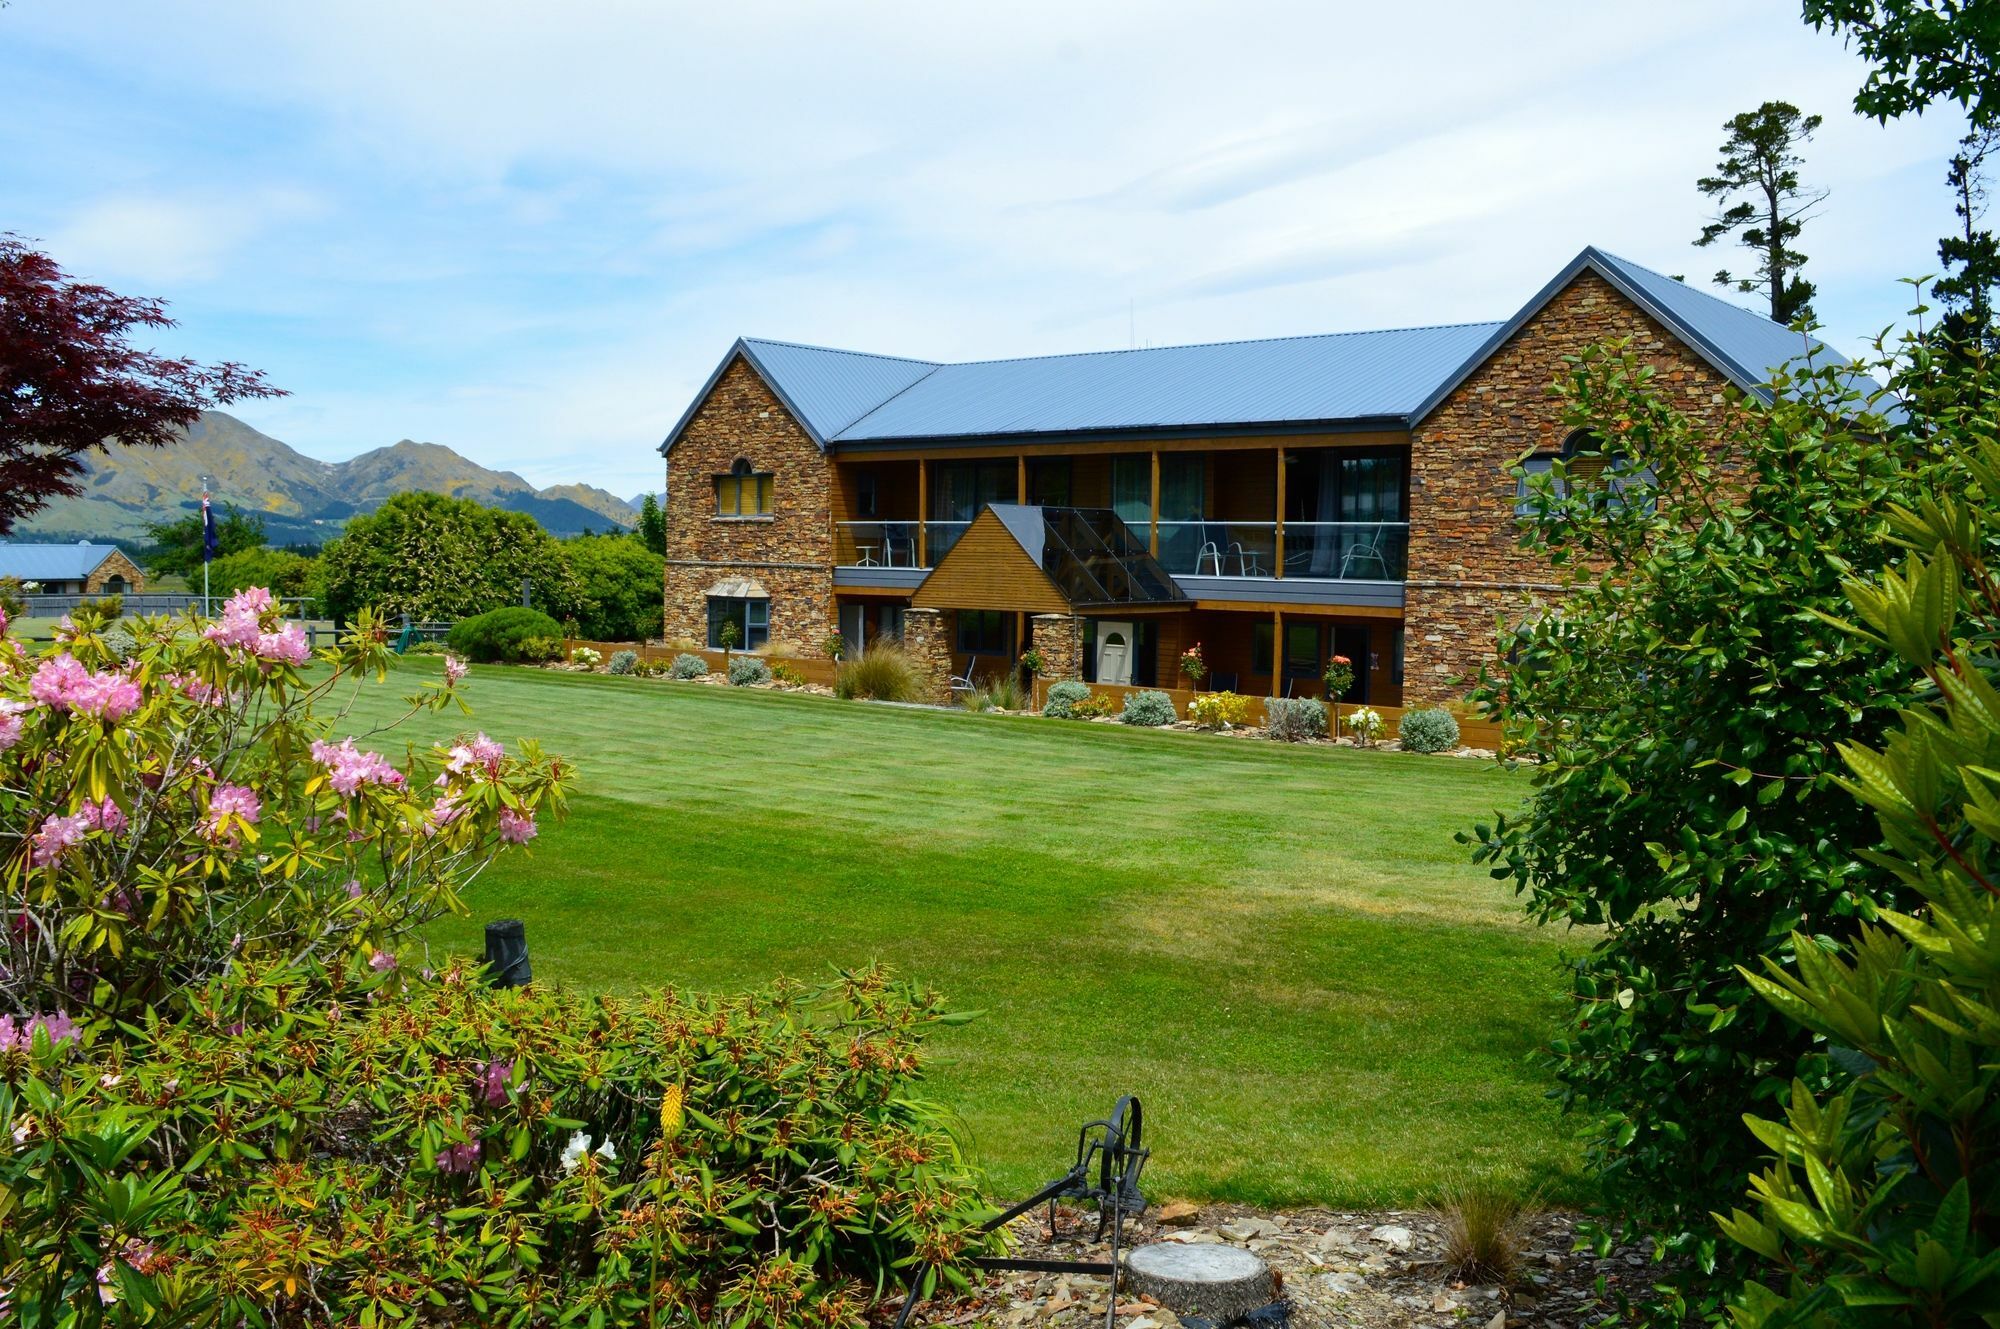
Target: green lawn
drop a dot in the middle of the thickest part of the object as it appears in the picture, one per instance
(1282, 950)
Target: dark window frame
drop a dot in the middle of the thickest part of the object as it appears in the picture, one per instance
(750, 613)
(762, 487)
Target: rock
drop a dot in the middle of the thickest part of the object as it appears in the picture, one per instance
(1342, 1284)
(1243, 1229)
(1499, 1320)
(1443, 1301)
(1394, 1237)
(1219, 1282)
(1179, 1213)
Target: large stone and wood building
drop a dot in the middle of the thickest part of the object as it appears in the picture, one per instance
(82, 568)
(1276, 501)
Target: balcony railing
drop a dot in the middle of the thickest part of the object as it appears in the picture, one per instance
(1333, 550)
(894, 544)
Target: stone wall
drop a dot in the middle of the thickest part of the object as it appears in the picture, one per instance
(1059, 637)
(927, 638)
(789, 554)
(115, 565)
(1466, 566)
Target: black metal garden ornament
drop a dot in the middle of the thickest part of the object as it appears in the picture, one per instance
(1110, 1155)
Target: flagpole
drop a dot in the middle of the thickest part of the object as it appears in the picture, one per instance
(206, 539)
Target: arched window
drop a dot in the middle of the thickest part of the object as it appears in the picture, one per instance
(1586, 469)
(744, 492)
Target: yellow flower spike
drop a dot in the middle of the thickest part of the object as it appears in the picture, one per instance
(670, 1112)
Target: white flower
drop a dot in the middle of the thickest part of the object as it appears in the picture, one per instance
(109, 1081)
(606, 1152)
(573, 1152)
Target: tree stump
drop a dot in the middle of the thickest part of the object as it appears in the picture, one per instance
(1216, 1281)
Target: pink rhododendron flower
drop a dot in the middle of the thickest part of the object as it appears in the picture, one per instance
(56, 837)
(493, 1079)
(350, 768)
(3, 622)
(19, 1036)
(11, 723)
(516, 827)
(105, 816)
(241, 627)
(454, 668)
(230, 800)
(381, 962)
(460, 1158)
(444, 811)
(63, 684)
(285, 646)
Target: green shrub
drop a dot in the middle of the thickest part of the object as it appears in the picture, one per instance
(786, 676)
(1063, 697)
(589, 657)
(541, 650)
(623, 662)
(1151, 709)
(1678, 715)
(745, 670)
(110, 606)
(1433, 730)
(428, 648)
(13, 600)
(687, 667)
(882, 672)
(501, 636)
(1097, 706)
(1294, 719)
(118, 640)
(668, 1158)
(1876, 1207)
(1217, 710)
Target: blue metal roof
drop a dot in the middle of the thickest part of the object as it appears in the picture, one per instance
(1339, 377)
(1338, 380)
(52, 562)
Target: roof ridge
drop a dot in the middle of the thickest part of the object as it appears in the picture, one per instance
(840, 350)
(1204, 345)
(1689, 286)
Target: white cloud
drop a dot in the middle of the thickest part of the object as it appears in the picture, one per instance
(158, 239)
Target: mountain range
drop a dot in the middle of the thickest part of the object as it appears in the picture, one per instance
(302, 501)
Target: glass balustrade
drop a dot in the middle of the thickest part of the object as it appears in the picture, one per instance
(1336, 550)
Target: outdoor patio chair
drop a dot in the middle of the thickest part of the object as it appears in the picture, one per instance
(969, 680)
(899, 545)
(1363, 551)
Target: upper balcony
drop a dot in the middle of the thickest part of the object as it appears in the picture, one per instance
(1332, 528)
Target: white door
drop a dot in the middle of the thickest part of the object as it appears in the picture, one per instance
(1114, 653)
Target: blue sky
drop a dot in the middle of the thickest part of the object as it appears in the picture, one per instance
(528, 231)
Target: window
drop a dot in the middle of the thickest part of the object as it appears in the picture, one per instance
(1049, 482)
(982, 632)
(751, 615)
(743, 492)
(1260, 647)
(867, 495)
(1586, 469)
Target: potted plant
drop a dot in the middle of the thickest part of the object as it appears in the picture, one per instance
(1339, 677)
(1194, 666)
(729, 636)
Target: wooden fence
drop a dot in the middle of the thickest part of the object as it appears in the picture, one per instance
(813, 670)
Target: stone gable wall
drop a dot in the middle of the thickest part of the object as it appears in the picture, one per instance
(115, 565)
(1465, 564)
(789, 554)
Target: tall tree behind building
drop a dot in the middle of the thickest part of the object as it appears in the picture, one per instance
(1761, 202)
(1971, 257)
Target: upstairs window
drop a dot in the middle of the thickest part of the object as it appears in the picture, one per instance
(1586, 470)
(743, 492)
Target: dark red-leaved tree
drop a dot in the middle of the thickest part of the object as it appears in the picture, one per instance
(70, 380)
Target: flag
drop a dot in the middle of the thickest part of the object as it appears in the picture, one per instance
(207, 529)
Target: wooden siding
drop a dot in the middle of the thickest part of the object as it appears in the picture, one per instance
(988, 569)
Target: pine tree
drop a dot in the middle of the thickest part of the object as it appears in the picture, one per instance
(1971, 258)
(653, 525)
(1760, 158)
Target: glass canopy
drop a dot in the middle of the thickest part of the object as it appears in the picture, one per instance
(1091, 555)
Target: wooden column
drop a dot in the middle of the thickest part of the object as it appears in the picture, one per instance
(1278, 544)
(1277, 652)
(1153, 538)
(923, 511)
(1021, 478)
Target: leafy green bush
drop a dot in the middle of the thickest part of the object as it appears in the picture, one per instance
(541, 650)
(588, 657)
(688, 667)
(745, 670)
(1678, 714)
(501, 636)
(1063, 697)
(619, 587)
(110, 606)
(623, 662)
(882, 672)
(435, 557)
(786, 676)
(1214, 710)
(1434, 730)
(1294, 719)
(505, 1156)
(119, 641)
(1877, 1205)
(1096, 706)
(1148, 708)
(13, 600)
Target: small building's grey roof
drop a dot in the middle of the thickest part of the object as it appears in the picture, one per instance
(52, 562)
(1347, 380)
